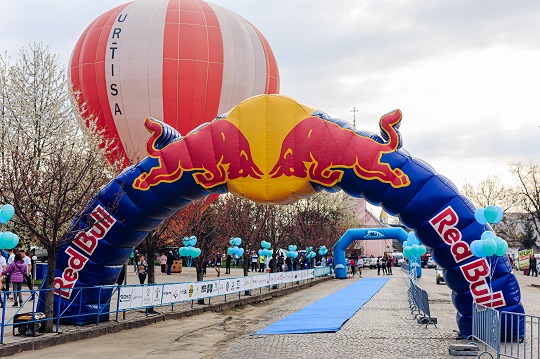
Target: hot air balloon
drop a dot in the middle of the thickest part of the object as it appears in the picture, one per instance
(181, 61)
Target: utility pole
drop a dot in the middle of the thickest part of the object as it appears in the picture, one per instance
(354, 111)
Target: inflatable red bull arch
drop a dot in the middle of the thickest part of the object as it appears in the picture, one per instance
(272, 149)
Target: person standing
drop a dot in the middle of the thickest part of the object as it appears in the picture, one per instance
(27, 275)
(142, 267)
(228, 264)
(353, 267)
(136, 259)
(389, 265)
(11, 259)
(261, 263)
(254, 260)
(17, 270)
(170, 261)
(163, 262)
(217, 266)
(532, 266)
(360, 265)
(379, 265)
(3, 266)
(383, 265)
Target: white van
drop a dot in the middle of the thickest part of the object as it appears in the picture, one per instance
(399, 257)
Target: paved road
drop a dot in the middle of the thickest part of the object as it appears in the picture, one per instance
(383, 328)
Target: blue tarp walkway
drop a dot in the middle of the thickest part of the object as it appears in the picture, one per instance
(328, 314)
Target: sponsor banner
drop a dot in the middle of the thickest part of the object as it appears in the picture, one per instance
(136, 297)
(197, 290)
(167, 297)
(179, 292)
(190, 290)
(523, 258)
(125, 298)
(157, 293)
(147, 293)
(259, 281)
(276, 278)
(310, 273)
(287, 277)
(227, 286)
(303, 275)
(241, 283)
(248, 283)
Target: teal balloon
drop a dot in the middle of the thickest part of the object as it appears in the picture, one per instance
(230, 250)
(490, 212)
(294, 254)
(182, 251)
(415, 249)
(2, 219)
(185, 241)
(405, 244)
(196, 252)
(500, 214)
(477, 248)
(8, 240)
(422, 250)
(407, 252)
(489, 246)
(240, 252)
(7, 212)
(232, 241)
(502, 246)
(479, 216)
(411, 238)
(291, 247)
(192, 240)
(487, 234)
(237, 241)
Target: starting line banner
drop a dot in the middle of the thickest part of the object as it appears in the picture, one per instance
(140, 296)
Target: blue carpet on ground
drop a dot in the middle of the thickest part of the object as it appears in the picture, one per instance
(329, 313)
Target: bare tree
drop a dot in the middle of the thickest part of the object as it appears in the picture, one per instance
(50, 166)
(528, 191)
(491, 192)
(245, 219)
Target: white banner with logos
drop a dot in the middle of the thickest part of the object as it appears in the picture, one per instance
(131, 297)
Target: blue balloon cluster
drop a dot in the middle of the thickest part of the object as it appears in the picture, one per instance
(6, 213)
(489, 245)
(323, 250)
(310, 254)
(490, 214)
(234, 250)
(265, 251)
(189, 250)
(412, 247)
(292, 253)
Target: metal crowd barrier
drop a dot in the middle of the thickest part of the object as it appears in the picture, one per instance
(418, 300)
(119, 299)
(506, 334)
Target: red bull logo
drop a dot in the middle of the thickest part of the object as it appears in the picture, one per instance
(271, 149)
(215, 153)
(329, 148)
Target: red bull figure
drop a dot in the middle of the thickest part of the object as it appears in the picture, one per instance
(215, 153)
(328, 148)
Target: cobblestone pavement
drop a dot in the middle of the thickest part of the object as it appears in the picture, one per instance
(383, 328)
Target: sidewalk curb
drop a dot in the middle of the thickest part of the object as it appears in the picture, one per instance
(110, 327)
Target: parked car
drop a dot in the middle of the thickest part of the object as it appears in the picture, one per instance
(372, 263)
(431, 263)
(439, 275)
(399, 258)
(40, 252)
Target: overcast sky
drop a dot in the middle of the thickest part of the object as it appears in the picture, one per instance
(464, 73)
